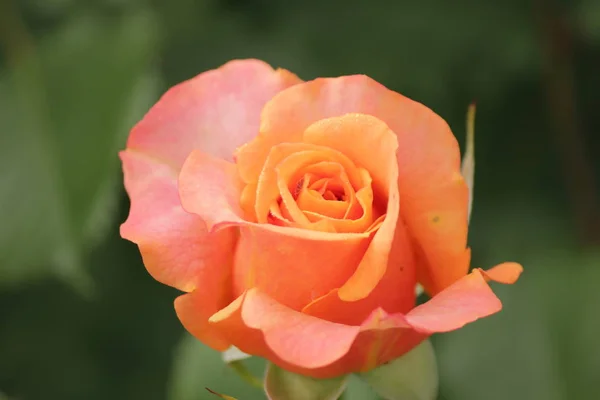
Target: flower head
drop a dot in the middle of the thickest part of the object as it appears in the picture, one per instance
(298, 217)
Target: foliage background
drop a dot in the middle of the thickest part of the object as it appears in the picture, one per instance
(81, 319)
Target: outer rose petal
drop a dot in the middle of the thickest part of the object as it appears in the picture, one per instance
(258, 325)
(194, 309)
(467, 300)
(433, 193)
(385, 337)
(216, 111)
(507, 273)
(294, 266)
(176, 247)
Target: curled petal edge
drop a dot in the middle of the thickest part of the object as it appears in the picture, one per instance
(300, 343)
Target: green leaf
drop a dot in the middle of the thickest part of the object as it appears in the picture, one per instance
(284, 385)
(197, 367)
(587, 13)
(543, 344)
(66, 106)
(413, 376)
(357, 389)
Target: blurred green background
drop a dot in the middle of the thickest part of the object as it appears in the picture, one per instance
(81, 319)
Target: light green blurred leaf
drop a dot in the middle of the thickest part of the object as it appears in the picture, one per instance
(544, 342)
(196, 367)
(234, 357)
(508, 356)
(284, 385)
(587, 17)
(514, 354)
(358, 389)
(413, 376)
(65, 110)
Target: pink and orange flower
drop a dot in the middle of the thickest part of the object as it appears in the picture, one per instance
(298, 217)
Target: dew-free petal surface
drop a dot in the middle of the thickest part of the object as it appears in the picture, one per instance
(210, 188)
(259, 325)
(215, 112)
(265, 327)
(386, 336)
(433, 193)
(176, 246)
(294, 266)
(507, 273)
(195, 308)
(467, 300)
(370, 143)
(394, 293)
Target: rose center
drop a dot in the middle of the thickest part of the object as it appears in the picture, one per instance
(313, 187)
(329, 188)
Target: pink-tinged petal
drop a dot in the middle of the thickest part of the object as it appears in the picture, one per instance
(394, 293)
(210, 187)
(176, 247)
(259, 325)
(507, 273)
(384, 336)
(433, 193)
(215, 112)
(294, 266)
(467, 300)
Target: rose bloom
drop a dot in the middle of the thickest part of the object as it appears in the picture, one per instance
(298, 217)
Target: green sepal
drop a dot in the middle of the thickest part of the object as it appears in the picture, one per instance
(413, 376)
(284, 385)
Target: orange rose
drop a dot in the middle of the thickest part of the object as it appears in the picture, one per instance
(298, 217)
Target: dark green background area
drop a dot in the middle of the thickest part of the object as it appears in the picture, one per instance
(81, 319)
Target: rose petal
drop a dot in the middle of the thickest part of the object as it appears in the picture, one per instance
(294, 163)
(507, 273)
(372, 145)
(366, 140)
(195, 308)
(311, 201)
(434, 194)
(394, 293)
(262, 326)
(386, 336)
(304, 154)
(295, 270)
(210, 188)
(176, 247)
(467, 300)
(215, 112)
(294, 266)
(304, 344)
